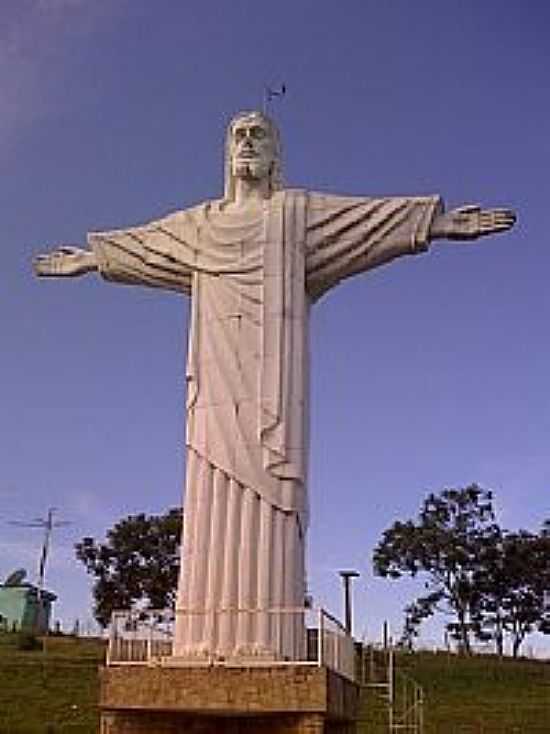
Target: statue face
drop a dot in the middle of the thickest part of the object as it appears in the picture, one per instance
(252, 149)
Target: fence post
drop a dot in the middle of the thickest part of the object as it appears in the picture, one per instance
(320, 639)
(112, 638)
(390, 687)
(149, 648)
(421, 710)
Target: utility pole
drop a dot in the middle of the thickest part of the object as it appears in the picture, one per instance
(47, 524)
(346, 577)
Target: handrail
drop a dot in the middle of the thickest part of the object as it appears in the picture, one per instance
(141, 637)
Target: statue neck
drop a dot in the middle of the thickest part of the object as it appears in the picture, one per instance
(250, 193)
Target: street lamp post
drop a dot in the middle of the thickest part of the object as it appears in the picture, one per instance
(346, 577)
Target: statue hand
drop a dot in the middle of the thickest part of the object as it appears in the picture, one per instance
(470, 222)
(65, 261)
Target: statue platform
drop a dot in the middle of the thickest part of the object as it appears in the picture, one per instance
(299, 698)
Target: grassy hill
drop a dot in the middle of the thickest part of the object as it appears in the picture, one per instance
(55, 690)
(49, 691)
(478, 695)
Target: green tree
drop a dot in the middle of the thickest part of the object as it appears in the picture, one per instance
(443, 546)
(513, 576)
(415, 613)
(137, 564)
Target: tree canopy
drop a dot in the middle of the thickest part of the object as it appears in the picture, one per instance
(137, 564)
(487, 581)
(513, 576)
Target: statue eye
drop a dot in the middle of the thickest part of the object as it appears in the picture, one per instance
(239, 134)
(257, 133)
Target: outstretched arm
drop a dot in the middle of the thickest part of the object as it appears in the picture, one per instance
(65, 261)
(157, 254)
(470, 222)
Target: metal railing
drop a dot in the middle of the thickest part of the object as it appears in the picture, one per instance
(137, 637)
(335, 648)
(314, 636)
(401, 697)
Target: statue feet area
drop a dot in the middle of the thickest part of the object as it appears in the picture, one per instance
(202, 654)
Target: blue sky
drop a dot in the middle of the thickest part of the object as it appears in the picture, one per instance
(431, 372)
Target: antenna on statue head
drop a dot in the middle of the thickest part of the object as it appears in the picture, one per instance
(270, 93)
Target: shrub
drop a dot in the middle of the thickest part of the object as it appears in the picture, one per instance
(27, 641)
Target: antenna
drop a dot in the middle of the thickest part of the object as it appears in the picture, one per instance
(48, 524)
(270, 93)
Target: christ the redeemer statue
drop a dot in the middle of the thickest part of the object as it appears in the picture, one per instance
(254, 263)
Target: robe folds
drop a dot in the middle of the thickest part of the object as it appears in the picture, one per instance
(252, 277)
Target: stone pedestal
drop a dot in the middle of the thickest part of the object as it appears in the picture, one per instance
(297, 699)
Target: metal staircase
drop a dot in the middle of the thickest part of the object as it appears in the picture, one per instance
(392, 701)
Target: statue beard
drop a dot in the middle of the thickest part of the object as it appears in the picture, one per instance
(252, 170)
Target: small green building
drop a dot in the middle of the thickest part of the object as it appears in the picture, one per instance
(24, 607)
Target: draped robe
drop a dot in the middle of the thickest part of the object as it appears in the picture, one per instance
(252, 277)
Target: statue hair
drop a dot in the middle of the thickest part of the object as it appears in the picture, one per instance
(275, 176)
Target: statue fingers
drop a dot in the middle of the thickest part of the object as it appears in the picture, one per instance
(506, 216)
(489, 225)
(38, 264)
(44, 265)
(505, 212)
(50, 263)
(497, 219)
(499, 214)
(504, 222)
(503, 226)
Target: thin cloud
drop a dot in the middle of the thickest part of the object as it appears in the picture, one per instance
(7, 492)
(35, 37)
(57, 5)
(85, 503)
(25, 554)
(17, 554)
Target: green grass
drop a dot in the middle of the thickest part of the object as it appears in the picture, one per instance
(49, 691)
(478, 695)
(55, 691)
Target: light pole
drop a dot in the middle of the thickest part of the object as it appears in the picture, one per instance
(346, 577)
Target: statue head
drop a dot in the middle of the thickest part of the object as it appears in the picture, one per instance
(252, 150)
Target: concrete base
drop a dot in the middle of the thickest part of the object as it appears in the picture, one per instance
(298, 699)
